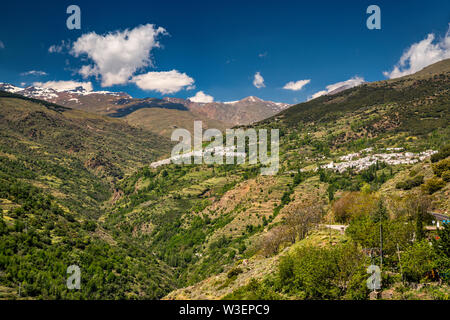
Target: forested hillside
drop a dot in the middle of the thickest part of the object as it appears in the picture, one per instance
(58, 171)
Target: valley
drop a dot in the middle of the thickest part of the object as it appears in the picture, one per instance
(77, 187)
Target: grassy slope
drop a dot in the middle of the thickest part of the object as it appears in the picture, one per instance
(416, 104)
(165, 121)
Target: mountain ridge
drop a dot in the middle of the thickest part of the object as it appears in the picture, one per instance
(121, 104)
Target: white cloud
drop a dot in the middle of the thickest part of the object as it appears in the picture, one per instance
(34, 73)
(258, 80)
(318, 94)
(297, 85)
(421, 54)
(117, 55)
(201, 97)
(64, 85)
(350, 83)
(263, 55)
(343, 85)
(2, 45)
(164, 82)
(58, 48)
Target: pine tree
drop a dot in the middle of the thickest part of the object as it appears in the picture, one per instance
(420, 233)
(381, 213)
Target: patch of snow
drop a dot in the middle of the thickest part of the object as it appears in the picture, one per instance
(9, 87)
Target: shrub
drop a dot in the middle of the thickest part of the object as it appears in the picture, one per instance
(442, 154)
(273, 240)
(324, 273)
(441, 166)
(234, 272)
(441, 246)
(446, 176)
(89, 225)
(365, 230)
(300, 219)
(365, 189)
(432, 185)
(410, 183)
(417, 260)
(352, 205)
(255, 290)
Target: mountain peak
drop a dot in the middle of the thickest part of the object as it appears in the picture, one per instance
(9, 87)
(251, 99)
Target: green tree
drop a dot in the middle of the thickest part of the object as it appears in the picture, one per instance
(441, 246)
(324, 273)
(417, 260)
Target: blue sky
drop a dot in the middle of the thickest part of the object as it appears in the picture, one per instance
(218, 46)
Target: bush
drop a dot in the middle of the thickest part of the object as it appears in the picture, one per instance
(432, 185)
(324, 273)
(300, 219)
(408, 184)
(89, 225)
(442, 154)
(442, 248)
(417, 260)
(234, 272)
(446, 176)
(272, 241)
(365, 231)
(255, 291)
(353, 204)
(441, 167)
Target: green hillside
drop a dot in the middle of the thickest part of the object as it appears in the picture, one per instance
(216, 240)
(226, 232)
(164, 121)
(419, 101)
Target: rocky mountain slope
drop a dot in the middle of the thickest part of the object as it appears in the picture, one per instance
(245, 111)
(119, 104)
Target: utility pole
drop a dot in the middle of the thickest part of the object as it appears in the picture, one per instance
(381, 241)
(329, 234)
(399, 261)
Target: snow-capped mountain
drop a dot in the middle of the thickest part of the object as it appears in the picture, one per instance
(240, 112)
(275, 106)
(51, 93)
(9, 87)
(120, 104)
(77, 97)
